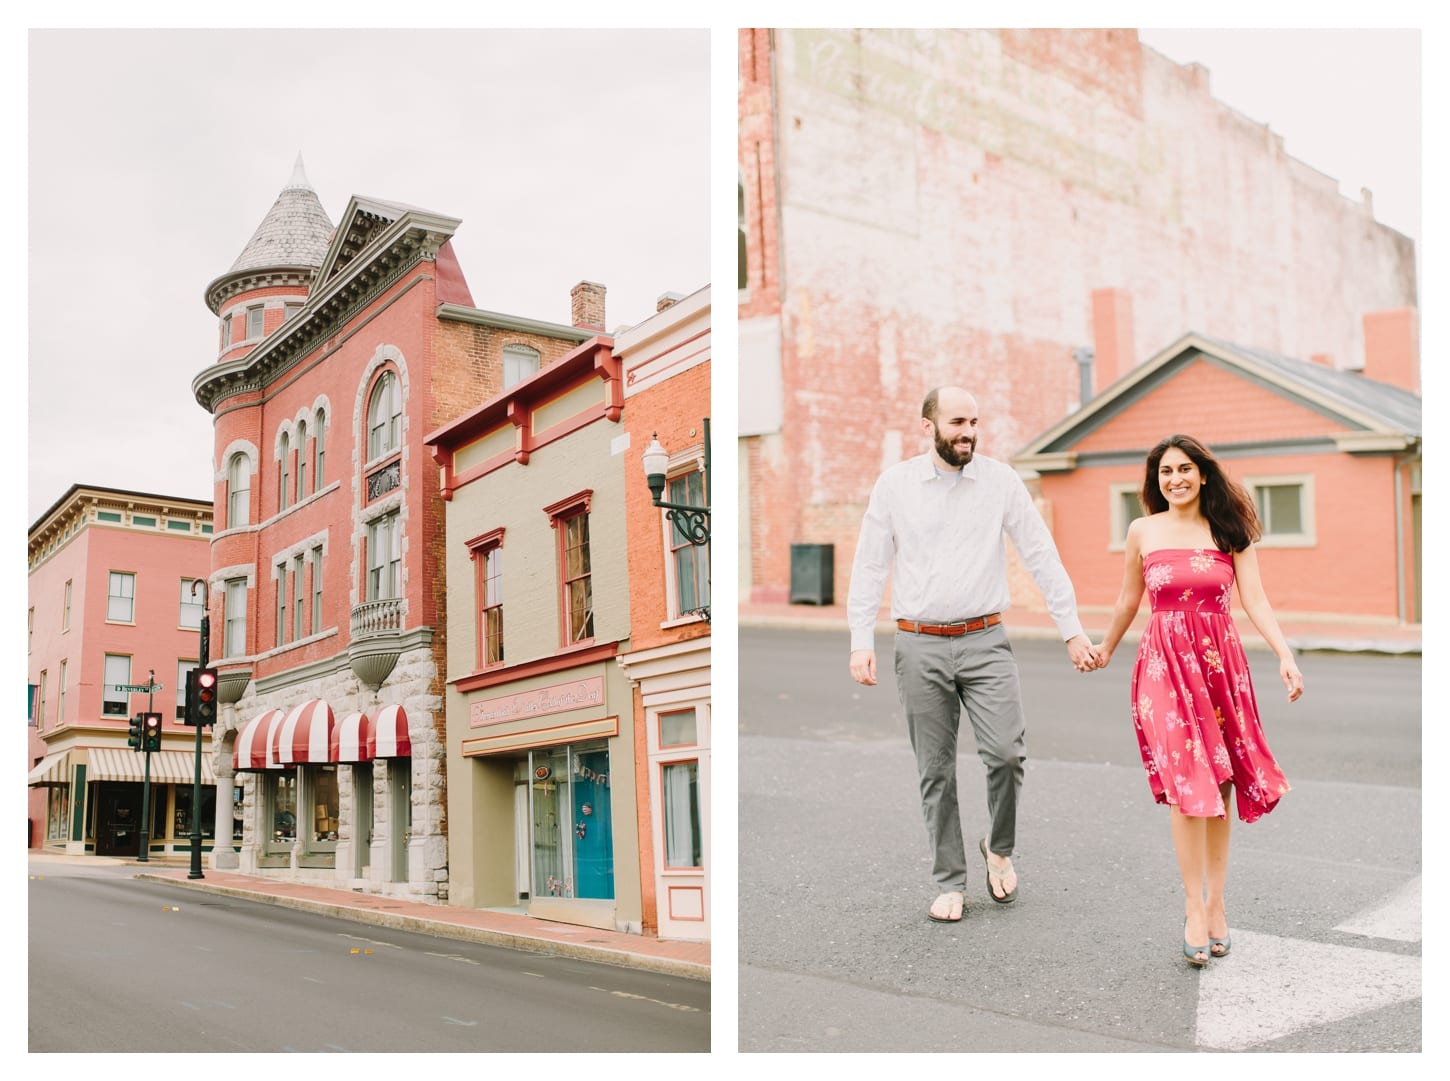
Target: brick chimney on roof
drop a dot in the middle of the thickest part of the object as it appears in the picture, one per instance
(1114, 353)
(1392, 347)
(588, 306)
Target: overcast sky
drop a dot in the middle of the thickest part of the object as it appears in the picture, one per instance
(568, 155)
(155, 154)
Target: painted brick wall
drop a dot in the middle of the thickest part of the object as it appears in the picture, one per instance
(949, 201)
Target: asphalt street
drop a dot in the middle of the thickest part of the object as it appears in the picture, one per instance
(836, 952)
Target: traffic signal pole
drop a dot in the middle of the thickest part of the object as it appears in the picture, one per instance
(145, 854)
(195, 871)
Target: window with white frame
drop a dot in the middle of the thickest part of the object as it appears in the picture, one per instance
(385, 558)
(301, 460)
(239, 491)
(234, 636)
(1124, 505)
(285, 469)
(299, 595)
(226, 332)
(385, 415)
(254, 322)
(116, 673)
(680, 792)
(40, 702)
(65, 609)
(319, 435)
(1286, 508)
(183, 667)
(281, 576)
(60, 712)
(689, 563)
(192, 608)
(121, 598)
(519, 362)
(317, 590)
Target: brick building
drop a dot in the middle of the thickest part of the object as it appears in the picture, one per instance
(1027, 213)
(666, 366)
(112, 607)
(339, 348)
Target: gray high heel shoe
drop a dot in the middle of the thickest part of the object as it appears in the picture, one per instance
(1192, 952)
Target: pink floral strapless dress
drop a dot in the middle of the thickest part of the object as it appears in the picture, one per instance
(1193, 703)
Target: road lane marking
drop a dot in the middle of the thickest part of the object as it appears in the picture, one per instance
(1397, 917)
(455, 1021)
(453, 957)
(1269, 987)
(683, 1007)
(372, 941)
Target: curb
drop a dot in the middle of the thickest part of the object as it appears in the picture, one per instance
(442, 929)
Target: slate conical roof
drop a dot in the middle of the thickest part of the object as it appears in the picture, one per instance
(294, 232)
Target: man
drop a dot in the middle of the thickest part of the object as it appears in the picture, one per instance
(936, 524)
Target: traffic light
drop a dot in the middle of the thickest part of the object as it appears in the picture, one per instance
(151, 731)
(201, 697)
(135, 739)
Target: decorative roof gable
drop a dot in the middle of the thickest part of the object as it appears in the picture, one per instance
(1197, 375)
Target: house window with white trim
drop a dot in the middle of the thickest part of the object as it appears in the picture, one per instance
(239, 491)
(689, 563)
(121, 598)
(519, 362)
(60, 711)
(1124, 505)
(192, 609)
(65, 611)
(385, 415)
(254, 322)
(487, 554)
(117, 673)
(570, 520)
(1285, 505)
(680, 792)
(40, 703)
(385, 558)
(234, 636)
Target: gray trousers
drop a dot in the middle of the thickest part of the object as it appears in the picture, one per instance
(937, 678)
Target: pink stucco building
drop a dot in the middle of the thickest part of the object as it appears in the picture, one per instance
(112, 606)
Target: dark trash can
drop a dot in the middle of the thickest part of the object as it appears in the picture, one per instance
(812, 573)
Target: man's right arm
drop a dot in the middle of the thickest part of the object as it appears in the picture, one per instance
(870, 568)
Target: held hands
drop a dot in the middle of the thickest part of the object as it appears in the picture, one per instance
(1083, 654)
(863, 666)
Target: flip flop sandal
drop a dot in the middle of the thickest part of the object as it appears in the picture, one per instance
(953, 902)
(1009, 898)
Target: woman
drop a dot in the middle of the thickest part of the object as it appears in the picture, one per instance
(1193, 704)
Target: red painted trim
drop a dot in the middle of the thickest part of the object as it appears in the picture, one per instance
(564, 508)
(559, 662)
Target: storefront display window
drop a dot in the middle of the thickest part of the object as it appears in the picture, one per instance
(573, 842)
(322, 794)
(682, 814)
(280, 806)
(181, 820)
(57, 813)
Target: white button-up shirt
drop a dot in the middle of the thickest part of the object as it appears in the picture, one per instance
(942, 541)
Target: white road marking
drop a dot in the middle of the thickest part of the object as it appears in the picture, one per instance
(1269, 987)
(373, 941)
(455, 1021)
(1396, 917)
(455, 957)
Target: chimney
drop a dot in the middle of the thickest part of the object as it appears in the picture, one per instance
(588, 306)
(1113, 350)
(1392, 347)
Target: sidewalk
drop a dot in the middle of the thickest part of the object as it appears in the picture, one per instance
(690, 960)
(1304, 633)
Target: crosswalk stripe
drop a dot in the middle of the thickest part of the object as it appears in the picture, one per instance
(1397, 917)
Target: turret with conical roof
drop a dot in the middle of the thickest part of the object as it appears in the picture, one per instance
(275, 271)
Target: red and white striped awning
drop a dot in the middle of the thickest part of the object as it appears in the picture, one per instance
(390, 734)
(304, 735)
(253, 749)
(352, 739)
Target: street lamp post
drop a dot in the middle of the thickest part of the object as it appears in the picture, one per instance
(692, 522)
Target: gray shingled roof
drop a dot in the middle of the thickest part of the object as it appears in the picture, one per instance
(294, 233)
(1395, 407)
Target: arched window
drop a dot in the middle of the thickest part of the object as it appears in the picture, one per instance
(519, 362)
(286, 461)
(239, 491)
(385, 413)
(319, 433)
(301, 460)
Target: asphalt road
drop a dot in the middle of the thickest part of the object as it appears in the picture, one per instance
(119, 964)
(836, 953)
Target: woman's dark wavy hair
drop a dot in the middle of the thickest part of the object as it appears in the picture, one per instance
(1230, 511)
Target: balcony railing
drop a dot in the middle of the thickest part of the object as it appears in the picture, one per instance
(377, 617)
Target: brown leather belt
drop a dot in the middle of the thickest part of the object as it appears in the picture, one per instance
(950, 630)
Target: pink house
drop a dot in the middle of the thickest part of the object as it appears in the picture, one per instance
(113, 608)
(1331, 457)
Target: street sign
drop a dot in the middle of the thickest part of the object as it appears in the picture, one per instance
(137, 688)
